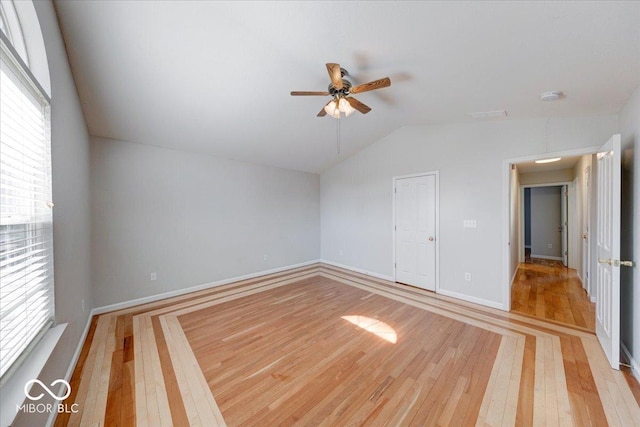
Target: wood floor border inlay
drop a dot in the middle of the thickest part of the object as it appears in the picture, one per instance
(138, 367)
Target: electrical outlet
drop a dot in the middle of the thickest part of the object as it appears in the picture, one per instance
(153, 276)
(265, 257)
(467, 277)
(469, 223)
(550, 245)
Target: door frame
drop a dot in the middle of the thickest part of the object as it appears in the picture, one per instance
(586, 220)
(436, 174)
(506, 184)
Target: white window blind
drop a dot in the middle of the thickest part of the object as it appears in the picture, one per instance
(26, 250)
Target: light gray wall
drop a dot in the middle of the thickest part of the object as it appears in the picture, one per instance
(356, 200)
(193, 219)
(545, 220)
(630, 228)
(71, 230)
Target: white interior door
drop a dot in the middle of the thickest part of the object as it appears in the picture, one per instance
(608, 240)
(564, 221)
(415, 231)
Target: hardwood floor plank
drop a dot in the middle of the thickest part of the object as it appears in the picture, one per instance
(190, 379)
(278, 350)
(548, 290)
(114, 398)
(82, 370)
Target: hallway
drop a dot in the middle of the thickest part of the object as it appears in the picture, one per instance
(548, 290)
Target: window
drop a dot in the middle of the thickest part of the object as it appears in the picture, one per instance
(26, 249)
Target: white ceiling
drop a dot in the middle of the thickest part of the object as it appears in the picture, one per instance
(214, 77)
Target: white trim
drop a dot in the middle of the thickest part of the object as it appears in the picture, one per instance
(513, 278)
(158, 297)
(13, 389)
(506, 177)
(358, 270)
(635, 367)
(547, 184)
(593, 299)
(522, 250)
(76, 354)
(436, 174)
(555, 258)
(474, 300)
(72, 365)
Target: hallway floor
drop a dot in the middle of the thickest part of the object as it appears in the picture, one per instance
(550, 291)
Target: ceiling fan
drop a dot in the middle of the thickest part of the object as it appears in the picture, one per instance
(341, 89)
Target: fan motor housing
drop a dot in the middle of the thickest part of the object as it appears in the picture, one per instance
(346, 86)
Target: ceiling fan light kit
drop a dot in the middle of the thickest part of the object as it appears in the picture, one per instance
(341, 90)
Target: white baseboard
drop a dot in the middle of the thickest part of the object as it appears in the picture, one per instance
(76, 354)
(441, 291)
(158, 297)
(358, 270)
(472, 299)
(513, 278)
(555, 258)
(635, 368)
(72, 365)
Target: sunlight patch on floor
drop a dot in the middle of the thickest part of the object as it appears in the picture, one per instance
(374, 326)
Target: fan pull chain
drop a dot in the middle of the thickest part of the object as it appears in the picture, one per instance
(338, 136)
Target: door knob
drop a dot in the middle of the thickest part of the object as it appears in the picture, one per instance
(616, 263)
(431, 239)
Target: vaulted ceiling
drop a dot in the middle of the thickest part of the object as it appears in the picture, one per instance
(214, 77)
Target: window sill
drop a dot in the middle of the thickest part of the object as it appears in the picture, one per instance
(13, 390)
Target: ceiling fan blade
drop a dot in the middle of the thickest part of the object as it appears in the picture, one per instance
(335, 74)
(364, 109)
(322, 112)
(308, 93)
(376, 84)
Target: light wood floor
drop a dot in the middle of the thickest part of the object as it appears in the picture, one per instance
(548, 290)
(322, 346)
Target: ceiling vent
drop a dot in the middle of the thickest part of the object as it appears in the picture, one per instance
(489, 114)
(552, 95)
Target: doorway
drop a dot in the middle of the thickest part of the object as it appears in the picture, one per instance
(546, 221)
(547, 253)
(415, 208)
